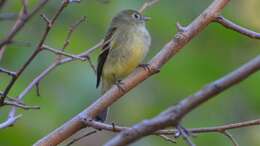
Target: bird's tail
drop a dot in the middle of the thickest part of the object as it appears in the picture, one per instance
(106, 85)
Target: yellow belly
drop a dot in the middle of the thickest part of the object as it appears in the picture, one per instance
(119, 66)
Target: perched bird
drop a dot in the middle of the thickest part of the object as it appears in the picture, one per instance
(125, 46)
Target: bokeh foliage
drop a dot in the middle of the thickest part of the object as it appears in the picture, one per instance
(71, 87)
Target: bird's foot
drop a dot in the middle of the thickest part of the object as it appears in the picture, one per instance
(119, 84)
(147, 67)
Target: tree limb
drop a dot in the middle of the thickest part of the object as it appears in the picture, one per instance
(230, 25)
(173, 115)
(169, 50)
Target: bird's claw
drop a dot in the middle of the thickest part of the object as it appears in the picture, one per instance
(119, 84)
(145, 67)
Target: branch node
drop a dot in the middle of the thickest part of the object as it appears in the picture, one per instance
(230, 137)
(180, 28)
(46, 19)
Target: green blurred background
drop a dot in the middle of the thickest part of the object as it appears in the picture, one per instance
(71, 88)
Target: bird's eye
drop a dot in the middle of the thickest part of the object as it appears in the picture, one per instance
(136, 16)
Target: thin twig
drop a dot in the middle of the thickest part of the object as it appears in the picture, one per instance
(36, 52)
(50, 23)
(8, 72)
(21, 21)
(230, 25)
(37, 86)
(9, 122)
(60, 52)
(116, 128)
(167, 138)
(19, 105)
(230, 137)
(44, 74)
(81, 137)
(147, 4)
(71, 30)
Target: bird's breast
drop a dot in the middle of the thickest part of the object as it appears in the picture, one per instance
(128, 55)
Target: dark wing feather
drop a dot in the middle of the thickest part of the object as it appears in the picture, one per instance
(103, 55)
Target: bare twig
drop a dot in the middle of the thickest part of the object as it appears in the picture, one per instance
(60, 52)
(21, 21)
(9, 122)
(50, 23)
(92, 65)
(41, 76)
(230, 137)
(19, 105)
(81, 137)
(8, 72)
(230, 25)
(167, 138)
(116, 128)
(170, 49)
(71, 30)
(37, 50)
(147, 4)
(53, 66)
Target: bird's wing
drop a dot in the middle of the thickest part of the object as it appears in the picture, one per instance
(106, 46)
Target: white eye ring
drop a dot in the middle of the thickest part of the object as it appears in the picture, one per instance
(136, 16)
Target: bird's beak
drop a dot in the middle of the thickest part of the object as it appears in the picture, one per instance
(146, 18)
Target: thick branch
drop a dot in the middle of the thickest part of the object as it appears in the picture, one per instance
(169, 50)
(230, 25)
(173, 115)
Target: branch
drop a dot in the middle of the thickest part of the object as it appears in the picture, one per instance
(9, 121)
(71, 30)
(60, 52)
(19, 105)
(231, 138)
(230, 25)
(81, 137)
(10, 73)
(38, 49)
(41, 76)
(173, 115)
(139, 75)
(21, 21)
(147, 4)
(219, 129)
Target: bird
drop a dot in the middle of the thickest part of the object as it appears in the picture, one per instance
(125, 46)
